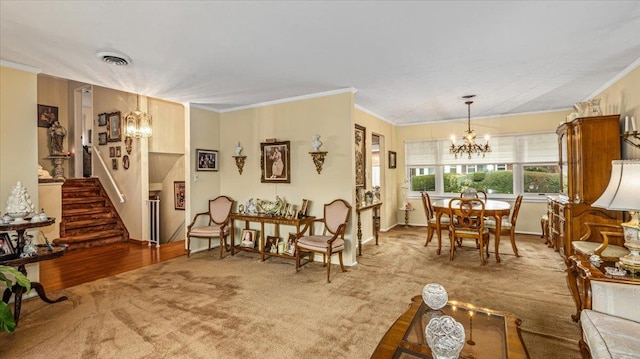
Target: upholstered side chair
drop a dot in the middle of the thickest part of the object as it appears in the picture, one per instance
(217, 225)
(335, 220)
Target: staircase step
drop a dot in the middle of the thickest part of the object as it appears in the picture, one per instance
(85, 202)
(85, 224)
(80, 192)
(99, 212)
(91, 239)
(80, 182)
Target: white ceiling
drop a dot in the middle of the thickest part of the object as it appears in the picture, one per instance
(410, 61)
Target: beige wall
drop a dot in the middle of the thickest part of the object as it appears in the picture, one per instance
(388, 193)
(530, 212)
(171, 219)
(53, 92)
(623, 97)
(19, 137)
(297, 121)
(168, 126)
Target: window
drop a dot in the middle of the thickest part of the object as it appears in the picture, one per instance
(525, 163)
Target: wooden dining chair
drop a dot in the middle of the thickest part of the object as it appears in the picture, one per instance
(336, 218)
(217, 226)
(467, 222)
(508, 225)
(432, 224)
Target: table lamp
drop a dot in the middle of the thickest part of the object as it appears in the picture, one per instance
(623, 194)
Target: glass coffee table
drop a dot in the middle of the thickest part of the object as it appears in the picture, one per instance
(489, 334)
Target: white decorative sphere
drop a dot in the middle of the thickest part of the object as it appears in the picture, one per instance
(434, 296)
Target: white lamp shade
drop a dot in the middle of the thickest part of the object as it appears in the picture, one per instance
(623, 191)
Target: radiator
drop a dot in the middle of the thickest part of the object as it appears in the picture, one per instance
(154, 222)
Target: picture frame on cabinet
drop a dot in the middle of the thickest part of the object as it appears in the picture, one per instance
(6, 247)
(290, 246)
(271, 245)
(249, 238)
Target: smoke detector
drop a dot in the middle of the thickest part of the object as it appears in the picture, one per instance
(114, 58)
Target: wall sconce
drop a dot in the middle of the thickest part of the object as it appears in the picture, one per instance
(317, 155)
(239, 158)
(629, 136)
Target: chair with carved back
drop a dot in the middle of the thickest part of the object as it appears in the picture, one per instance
(335, 220)
(508, 225)
(467, 222)
(432, 225)
(217, 225)
(604, 240)
(471, 192)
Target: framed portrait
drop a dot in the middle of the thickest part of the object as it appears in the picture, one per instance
(47, 115)
(304, 208)
(290, 246)
(361, 155)
(114, 164)
(102, 138)
(118, 151)
(179, 194)
(102, 119)
(114, 127)
(112, 151)
(125, 162)
(275, 162)
(392, 159)
(6, 247)
(89, 136)
(206, 160)
(271, 244)
(249, 238)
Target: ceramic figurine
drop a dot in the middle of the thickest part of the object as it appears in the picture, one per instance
(316, 143)
(238, 149)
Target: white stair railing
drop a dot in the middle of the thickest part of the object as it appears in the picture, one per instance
(106, 170)
(154, 221)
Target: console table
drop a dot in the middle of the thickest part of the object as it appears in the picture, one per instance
(302, 225)
(490, 334)
(375, 216)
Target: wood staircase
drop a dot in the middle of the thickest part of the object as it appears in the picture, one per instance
(89, 218)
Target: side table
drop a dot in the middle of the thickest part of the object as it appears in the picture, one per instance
(406, 215)
(375, 216)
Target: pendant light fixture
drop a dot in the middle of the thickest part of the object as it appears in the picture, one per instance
(137, 123)
(469, 146)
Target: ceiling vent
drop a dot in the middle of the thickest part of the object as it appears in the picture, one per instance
(114, 58)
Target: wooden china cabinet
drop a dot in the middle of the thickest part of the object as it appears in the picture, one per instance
(587, 146)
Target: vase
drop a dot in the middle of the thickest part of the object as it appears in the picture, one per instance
(435, 296)
(445, 337)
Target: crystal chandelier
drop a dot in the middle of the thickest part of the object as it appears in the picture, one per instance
(469, 146)
(137, 123)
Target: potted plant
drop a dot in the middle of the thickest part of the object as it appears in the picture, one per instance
(7, 323)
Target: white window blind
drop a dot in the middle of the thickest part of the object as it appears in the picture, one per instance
(538, 148)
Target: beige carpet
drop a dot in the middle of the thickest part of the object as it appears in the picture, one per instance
(238, 307)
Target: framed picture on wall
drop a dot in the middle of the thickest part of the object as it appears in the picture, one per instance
(275, 162)
(47, 115)
(206, 160)
(114, 125)
(361, 156)
(179, 194)
(102, 138)
(102, 119)
(392, 159)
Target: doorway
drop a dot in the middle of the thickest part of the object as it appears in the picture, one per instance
(377, 164)
(83, 125)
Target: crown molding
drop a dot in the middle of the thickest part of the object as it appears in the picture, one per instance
(21, 67)
(615, 79)
(291, 99)
(203, 107)
(358, 107)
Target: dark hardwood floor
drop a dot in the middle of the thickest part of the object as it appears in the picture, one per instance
(85, 265)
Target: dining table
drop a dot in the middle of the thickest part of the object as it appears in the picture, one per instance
(492, 208)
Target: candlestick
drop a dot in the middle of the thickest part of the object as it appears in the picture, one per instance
(633, 125)
(626, 124)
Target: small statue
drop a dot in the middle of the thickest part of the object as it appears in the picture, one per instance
(316, 143)
(250, 207)
(43, 173)
(19, 203)
(238, 149)
(57, 134)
